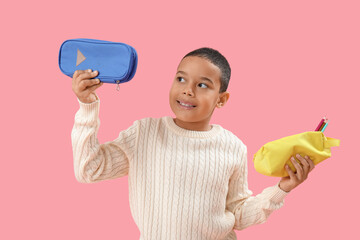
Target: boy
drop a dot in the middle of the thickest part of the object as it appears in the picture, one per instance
(187, 179)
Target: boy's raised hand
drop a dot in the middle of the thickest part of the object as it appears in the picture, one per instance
(302, 170)
(84, 86)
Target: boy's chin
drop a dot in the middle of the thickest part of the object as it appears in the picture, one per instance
(183, 118)
(187, 119)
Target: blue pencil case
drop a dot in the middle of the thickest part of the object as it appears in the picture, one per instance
(116, 62)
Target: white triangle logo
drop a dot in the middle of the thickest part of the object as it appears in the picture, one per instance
(80, 57)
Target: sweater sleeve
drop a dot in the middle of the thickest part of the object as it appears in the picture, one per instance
(247, 209)
(94, 162)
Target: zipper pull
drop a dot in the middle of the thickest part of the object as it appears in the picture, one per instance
(118, 87)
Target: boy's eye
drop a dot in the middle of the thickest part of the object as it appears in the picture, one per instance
(179, 79)
(203, 84)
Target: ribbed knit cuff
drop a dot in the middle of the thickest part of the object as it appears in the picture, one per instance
(90, 111)
(278, 194)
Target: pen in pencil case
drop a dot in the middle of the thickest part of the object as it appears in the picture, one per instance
(320, 124)
(325, 125)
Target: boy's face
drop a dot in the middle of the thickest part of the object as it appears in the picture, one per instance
(196, 83)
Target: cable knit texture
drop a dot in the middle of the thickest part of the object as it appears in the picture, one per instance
(182, 184)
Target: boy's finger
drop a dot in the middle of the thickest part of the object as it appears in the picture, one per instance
(93, 83)
(299, 170)
(311, 163)
(306, 165)
(290, 172)
(77, 73)
(87, 75)
(86, 83)
(93, 88)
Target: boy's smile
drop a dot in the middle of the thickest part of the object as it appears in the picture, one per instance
(194, 93)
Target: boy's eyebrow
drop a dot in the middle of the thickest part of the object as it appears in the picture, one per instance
(204, 78)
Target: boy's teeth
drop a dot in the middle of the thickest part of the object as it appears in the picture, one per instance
(185, 104)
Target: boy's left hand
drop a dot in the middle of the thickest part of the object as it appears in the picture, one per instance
(301, 174)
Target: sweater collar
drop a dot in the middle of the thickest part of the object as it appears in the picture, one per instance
(190, 133)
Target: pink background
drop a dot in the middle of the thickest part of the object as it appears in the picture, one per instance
(292, 63)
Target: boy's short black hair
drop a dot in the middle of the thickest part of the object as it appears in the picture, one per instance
(216, 58)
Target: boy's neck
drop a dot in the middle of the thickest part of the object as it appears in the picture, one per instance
(193, 126)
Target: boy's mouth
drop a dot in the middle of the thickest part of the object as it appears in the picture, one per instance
(186, 105)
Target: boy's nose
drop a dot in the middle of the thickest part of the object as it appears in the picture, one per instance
(188, 92)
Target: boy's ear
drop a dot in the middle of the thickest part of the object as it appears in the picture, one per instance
(223, 98)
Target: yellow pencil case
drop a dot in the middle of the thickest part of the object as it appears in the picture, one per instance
(271, 158)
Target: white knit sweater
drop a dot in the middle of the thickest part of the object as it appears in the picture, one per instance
(182, 184)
